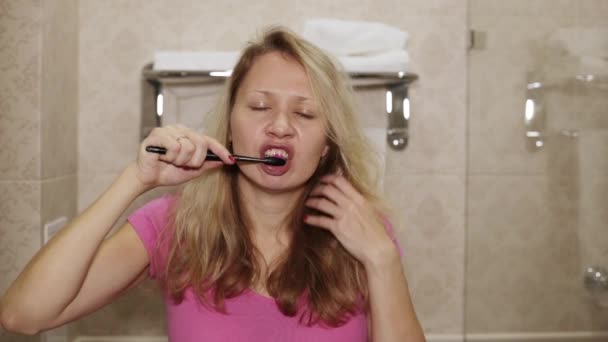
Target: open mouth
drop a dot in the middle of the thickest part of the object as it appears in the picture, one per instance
(277, 153)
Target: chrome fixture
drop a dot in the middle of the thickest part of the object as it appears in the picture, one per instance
(534, 108)
(396, 85)
(596, 279)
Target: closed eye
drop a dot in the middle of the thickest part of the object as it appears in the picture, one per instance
(305, 115)
(259, 108)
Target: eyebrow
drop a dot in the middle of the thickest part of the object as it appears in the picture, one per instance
(266, 92)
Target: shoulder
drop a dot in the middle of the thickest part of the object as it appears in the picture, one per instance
(148, 221)
(150, 218)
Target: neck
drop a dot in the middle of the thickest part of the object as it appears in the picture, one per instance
(267, 210)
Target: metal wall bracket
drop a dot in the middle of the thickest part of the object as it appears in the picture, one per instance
(396, 85)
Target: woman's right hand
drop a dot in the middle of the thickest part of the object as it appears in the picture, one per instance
(185, 157)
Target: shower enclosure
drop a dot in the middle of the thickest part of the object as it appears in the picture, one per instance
(537, 172)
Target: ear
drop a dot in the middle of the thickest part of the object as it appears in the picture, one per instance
(325, 151)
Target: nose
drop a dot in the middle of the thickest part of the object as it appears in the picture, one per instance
(280, 125)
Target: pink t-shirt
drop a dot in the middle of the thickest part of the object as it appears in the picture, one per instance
(250, 316)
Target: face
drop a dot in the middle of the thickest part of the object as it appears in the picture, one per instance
(275, 114)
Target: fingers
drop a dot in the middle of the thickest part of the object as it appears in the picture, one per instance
(161, 137)
(220, 151)
(319, 221)
(185, 147)
(330, 192)
(324, 205)
(200, 149)
(186, 140)
(335, 197)
(344, 186)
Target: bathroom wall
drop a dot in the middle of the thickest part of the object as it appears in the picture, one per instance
(528, 212)
(426, 182)
(38, 120)
(79, 62)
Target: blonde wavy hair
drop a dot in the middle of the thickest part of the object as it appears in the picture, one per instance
(209, 247)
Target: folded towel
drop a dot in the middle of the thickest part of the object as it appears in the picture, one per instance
(343, 38)
(195, 60)
(391, 61)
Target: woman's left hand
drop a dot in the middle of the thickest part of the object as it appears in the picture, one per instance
(353, 221)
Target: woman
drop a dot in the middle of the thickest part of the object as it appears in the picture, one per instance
(243, 252)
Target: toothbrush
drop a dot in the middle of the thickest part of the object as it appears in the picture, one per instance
(273, 161)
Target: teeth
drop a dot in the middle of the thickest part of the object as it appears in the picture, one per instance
(275, 152)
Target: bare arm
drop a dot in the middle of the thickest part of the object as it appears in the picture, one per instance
(86, 272)
(75, 266)
(392, 313)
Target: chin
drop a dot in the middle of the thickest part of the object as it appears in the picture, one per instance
(271, 183)
(280, 184)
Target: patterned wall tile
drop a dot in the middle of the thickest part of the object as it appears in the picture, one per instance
(59, 86)
(9, 337)
(122, 317)
(20, 24)
(430, 226)
(524, 251)
(58, 198)
(110, 63)
(437, 134)
(231, 31)
(593, 8)
(535, 8)
(437, 50)
(92, 186)
(19, 227)
(456, 8)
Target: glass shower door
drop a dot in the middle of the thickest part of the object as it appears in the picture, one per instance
(537, 172)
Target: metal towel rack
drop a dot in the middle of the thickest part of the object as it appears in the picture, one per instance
(535, 111)
(396, 85)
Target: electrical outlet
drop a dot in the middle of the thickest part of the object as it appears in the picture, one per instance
(51, 228)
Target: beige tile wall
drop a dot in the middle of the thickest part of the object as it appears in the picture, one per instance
(19, 130)
(531, 216)
(428, 177)
(19, 233)
(38, 120)
(20, 92)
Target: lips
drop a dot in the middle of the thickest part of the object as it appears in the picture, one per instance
(276, 170)
(267, 147)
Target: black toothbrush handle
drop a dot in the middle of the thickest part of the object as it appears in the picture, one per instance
(156, 149)
(161, 150)
(213, 157)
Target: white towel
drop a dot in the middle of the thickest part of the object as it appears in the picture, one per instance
(195, 60)
(391, 61)
(344, 38)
